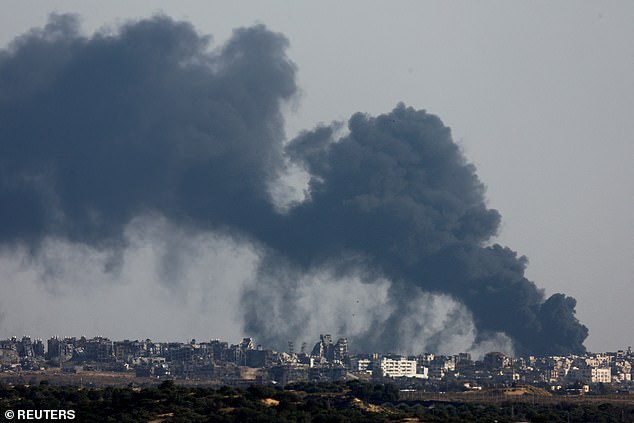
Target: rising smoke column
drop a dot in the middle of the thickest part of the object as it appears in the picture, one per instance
(97, 131)
(398, 190)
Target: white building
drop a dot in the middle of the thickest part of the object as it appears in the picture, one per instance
(593, 375)
(398, 367)
(601, 375)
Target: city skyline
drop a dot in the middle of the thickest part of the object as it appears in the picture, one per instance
(219, 362)
(307, 347)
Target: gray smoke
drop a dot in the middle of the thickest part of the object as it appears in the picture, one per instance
(145, 119)
(398, 192)
(97, 131)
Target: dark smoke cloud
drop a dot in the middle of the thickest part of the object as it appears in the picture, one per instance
(97, 131)
(399, 190)
(147, 119)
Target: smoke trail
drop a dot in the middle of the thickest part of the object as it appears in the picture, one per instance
(98, 131)
(400, 192)
(166, 287)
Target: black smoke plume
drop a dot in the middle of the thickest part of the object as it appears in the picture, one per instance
(95, 131)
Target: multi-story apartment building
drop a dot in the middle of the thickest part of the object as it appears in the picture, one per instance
(397, 367)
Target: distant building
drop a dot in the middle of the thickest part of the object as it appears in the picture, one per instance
(597, 375)
(259, 358)
(340, 351)
(360, 365)
(397, 367)
(333, 353)
(324, 348)
(496, 360)
(286, 374)
(8, 356)
(591, 375)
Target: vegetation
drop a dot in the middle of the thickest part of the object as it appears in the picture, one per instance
(303, 402)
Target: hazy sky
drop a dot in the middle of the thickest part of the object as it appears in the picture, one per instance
(540, 95)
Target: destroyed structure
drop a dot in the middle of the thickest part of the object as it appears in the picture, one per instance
(247, 363)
